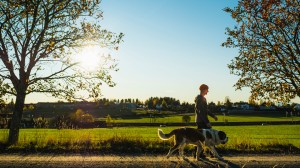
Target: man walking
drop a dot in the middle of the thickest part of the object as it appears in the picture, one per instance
(202, 112)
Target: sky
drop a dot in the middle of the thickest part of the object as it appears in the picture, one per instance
(170, 48)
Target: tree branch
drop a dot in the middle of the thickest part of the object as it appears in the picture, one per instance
(52, 76)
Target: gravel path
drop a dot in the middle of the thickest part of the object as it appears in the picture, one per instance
(52, 160)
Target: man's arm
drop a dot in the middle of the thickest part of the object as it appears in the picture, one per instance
(212, 115)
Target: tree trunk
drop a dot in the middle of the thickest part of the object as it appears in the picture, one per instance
(16, 119)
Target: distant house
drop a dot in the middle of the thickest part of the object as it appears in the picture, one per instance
(132, 106)
(265, 107)
(243, 106)
(141, 106)
(158, 106)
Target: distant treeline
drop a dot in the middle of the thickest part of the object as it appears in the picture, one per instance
(35, 115)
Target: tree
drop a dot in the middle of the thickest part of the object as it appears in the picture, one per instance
(212, 107)
(155, 102)
(37, 41)
(137, 101)
(41, 122)
(186, 118)
(108, 121)
(87, 118)
(267, 35)
(10, 107)
(77, 116)
(81, 117)
(164, 104)
(29, 108)
(251, 101)
(227, 103)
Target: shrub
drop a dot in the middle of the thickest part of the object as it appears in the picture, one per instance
(186, 118)
(108, 121)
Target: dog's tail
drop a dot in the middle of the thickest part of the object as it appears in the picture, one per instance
(164, 136)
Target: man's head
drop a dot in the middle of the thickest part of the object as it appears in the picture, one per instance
(203, 89)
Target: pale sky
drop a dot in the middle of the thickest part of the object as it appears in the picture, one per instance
(170, 48)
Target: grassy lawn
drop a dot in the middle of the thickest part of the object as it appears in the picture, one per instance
(240, 137)
(141, 139)
(221, 118)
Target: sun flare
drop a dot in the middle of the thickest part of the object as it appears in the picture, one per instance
(91, 57)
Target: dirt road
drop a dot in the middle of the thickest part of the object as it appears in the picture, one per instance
(52, 160)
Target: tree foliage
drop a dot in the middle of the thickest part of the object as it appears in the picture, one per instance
(267, 36)
(108, 121)
(228, 103)
(38, 35)
(186, 118)
(167, 102)
(37, 41)
(81, 117)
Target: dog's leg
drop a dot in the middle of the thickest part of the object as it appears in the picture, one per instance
(175, 147)
(199, 149)
(181, 150)
(208, 150)
(213, 149)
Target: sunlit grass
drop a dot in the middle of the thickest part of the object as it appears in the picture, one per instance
(143, 139)
(3, 135)
(221, 118)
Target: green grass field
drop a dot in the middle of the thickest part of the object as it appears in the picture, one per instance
(221, 118)
(261, 138)
(241, 138)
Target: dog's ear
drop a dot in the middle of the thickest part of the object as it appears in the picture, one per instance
(222, 135)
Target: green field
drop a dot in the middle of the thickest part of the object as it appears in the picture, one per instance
(260, 138)
(221, 118)
(241, 138)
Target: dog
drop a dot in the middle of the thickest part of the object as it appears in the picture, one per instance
(196, 137)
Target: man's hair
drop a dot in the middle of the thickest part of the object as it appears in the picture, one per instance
(203, 87)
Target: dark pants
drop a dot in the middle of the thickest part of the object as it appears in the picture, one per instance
(200, 125)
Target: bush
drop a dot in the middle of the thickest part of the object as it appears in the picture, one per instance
(108, 121)
(186, 118)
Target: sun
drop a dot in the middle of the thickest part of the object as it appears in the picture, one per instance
(90, 57)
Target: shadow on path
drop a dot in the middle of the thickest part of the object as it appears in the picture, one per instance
(208, 163)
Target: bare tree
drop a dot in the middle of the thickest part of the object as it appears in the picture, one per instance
(37, 40)
(267, 36)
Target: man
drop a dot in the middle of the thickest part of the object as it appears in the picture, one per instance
(202, 112)
(201, 109)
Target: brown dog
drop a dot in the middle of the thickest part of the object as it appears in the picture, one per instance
(197, 137)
